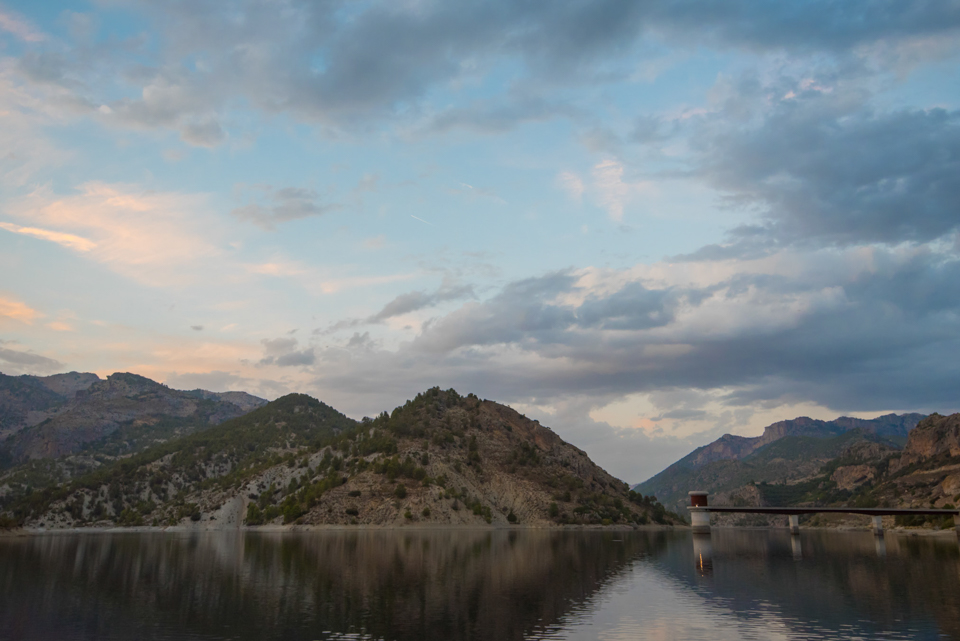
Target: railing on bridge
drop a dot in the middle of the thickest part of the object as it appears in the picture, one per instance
(700, 513)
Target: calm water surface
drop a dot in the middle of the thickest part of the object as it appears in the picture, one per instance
(735, 584)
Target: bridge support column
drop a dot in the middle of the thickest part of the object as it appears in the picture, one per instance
(877, 525)
(794, 524)
(700, 520)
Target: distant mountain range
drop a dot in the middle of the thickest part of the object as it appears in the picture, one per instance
(129, 451)
(895, 460)
(54, 416)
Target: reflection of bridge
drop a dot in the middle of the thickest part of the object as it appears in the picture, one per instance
(700, 513)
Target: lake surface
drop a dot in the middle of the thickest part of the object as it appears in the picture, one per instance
(463, 584)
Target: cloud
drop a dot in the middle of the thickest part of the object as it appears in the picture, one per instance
(19, 28)
(344, 65)
(822, 168)
(375, 242)
(289, 203)
(857, 330)
(197, 328)
(67, 240)
(153, 237)
(17, 362)
(16, 310)
(571, 183)
(415, 301)
(203, 133)
(283, 352)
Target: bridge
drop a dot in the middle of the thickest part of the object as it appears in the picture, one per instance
(700, 513)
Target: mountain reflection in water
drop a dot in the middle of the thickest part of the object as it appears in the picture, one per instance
(478, 584)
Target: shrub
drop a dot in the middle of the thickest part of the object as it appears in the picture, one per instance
(401, 491)
(554, 511)
(512, 518)
(254, 515)
(426, 512)
(408, 515)
(354, 493)
(352, 511)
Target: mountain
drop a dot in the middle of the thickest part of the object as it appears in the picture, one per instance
(785, 451)
(28, 400)
(441, 458)
(71, 413)
(856, 468)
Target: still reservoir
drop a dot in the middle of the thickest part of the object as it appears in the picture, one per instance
(479, 584)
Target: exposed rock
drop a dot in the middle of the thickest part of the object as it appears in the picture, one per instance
(934, 437)
(850, 477)
(67, 385)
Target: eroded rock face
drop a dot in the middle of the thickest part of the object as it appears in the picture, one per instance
(850, 477)
(950, 486)
(935, 436)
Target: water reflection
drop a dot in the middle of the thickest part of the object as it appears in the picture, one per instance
(462, 584)
(452, 584)
(703, 553)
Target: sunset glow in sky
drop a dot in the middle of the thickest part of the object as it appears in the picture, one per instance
(645, 224)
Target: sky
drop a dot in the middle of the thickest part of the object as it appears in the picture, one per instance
(644, 224)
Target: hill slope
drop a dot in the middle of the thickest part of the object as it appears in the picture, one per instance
(28, 400)
(440, 458)
(786, 450)
(115, 416)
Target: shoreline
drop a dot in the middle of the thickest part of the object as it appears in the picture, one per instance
(283, 529)
(275, 529)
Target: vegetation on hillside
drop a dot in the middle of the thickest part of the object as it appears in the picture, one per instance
(436, 457)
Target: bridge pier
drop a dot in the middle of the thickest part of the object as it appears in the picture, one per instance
(794, 523)
(877, 525)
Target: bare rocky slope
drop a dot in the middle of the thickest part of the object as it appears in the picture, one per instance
(440, 459)
(66, 414)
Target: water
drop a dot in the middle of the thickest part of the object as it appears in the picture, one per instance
(464, 584)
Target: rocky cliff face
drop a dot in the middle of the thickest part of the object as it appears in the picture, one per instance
(935, 437)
